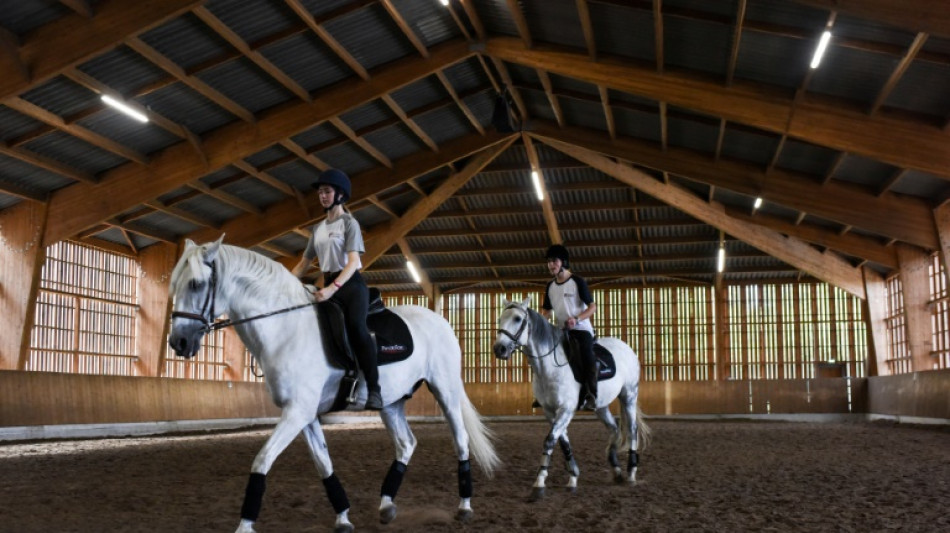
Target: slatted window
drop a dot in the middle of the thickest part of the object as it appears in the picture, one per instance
(789, 331)
(209, 363)
(474, 318)
(898, 359)
(85, 312)
(940, 314)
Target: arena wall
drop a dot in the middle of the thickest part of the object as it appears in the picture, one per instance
(44, 398)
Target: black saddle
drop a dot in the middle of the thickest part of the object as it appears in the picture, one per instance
(606, 366)
(389, 331)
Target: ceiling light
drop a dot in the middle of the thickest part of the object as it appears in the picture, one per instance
(820, 51)
(758, 203)
(123, 107)
(444, 2)
(413, 272)
(536, 179)
(722, 260)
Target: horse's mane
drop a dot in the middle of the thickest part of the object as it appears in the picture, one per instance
(254, 275)
(544, 334)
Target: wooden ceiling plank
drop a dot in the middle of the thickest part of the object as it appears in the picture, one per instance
(797, 253)
(405, 28)
(921, 147)
(194, 82)
(736, 40)
(71, 40)
(380, 239)
(38, 113)
(898, 72)
(229, 35)
(126, 186)
(890, 215)
(284, 216)
(473, 120)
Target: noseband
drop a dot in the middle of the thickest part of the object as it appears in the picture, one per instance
(207, 308)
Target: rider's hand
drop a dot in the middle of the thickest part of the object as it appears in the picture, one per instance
(570, 323)
(324, 294)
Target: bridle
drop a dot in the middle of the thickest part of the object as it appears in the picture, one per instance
(206, 317)
(517, 335)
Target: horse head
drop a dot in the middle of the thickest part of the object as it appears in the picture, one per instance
(512, 328)
(194, 287)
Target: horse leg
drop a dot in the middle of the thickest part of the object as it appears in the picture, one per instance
(569, 463)
(558, 428)
(291, 422)
(451, 405)
(614, 442)
(404, 442)
(335, 493)
(628, 410)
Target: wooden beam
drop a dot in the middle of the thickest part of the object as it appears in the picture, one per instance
(889, 215)
(21, 261)
(898, 72)
(71, 40)
(547, 207)
(852, 244)
(736, 39)
(942, 223)
(460, 103)
(915, 288)
(520, 22)
(378, 240)
(405, 28)
(921, 147)
(126, 186)
(802, 256)
(284, 216)
(427, 286)
(932, 16)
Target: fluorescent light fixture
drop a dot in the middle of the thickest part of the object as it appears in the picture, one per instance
(721, 264)
(413, 272)
(536, 179)
(820, 51)
(123, 107)
(758, 203)
(444, 2)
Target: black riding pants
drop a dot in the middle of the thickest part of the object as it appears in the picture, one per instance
(585, 343)
(353, 298)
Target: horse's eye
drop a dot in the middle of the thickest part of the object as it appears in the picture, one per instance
(194, 284)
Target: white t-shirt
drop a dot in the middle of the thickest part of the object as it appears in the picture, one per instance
(331, 241)
(569, 299)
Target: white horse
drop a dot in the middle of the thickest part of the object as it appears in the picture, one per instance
(558, 392)
(213, 279)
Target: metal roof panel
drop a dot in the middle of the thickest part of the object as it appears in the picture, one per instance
(74, 152)
(246, 84)
(186, 107)
(371, 36)
(254, 20)
(307, 60)
(187, 41)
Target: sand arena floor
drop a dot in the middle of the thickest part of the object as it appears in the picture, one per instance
(696, 476)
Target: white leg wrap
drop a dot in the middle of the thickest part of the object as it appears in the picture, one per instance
(246, 526)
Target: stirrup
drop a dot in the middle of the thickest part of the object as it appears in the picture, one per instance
(350, 381)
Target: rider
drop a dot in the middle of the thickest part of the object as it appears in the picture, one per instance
(568, 296)
(337, 243)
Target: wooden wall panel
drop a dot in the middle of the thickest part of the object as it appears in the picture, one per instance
(920, 394)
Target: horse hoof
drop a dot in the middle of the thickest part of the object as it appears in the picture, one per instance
(571, 490)
(537, 494)
(464, 515)
(387, 514)
(343, 528)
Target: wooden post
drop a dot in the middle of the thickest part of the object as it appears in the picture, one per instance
(942, 221)
(723, 361)
(21, 262)
(914, 270)
(157, 262)
(875, 314)
(233, 355)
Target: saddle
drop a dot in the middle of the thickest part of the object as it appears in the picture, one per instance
(389, 331)
(606, 366)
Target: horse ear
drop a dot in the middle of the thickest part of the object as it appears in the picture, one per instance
(505, 302)
(189, 244)
(526, 302)
(212, 251)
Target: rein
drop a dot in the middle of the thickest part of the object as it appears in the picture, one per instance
(207, 318)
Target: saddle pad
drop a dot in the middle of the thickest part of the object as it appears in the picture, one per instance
(393, 340)
(608, 367)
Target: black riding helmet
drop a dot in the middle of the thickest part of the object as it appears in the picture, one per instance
(338, 180)
(557, 251)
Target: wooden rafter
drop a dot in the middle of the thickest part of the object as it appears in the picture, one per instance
(736, 39)
(380, 239)
(473, 120)
(547, 208)
(552, 98)
(921, 147)
(658, 33)
(405, 28)
(520, 22)
(127, 186)
(898, 72)
(889, 215)
(792, 251)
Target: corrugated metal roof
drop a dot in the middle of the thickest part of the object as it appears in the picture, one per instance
(143, 138)
(923, 88)
(61, 96)
(123, 70)
(22, 16)
(347, 157)
(807, 158)
(370, 36)
(433, 26)
(254, 20)
(853, 74)
(246, 84)
(863, 171)
(553, 22)
(296, 173)
(367, 114)
(77, 153)
(14, 124)
(444, 124)
(619, 31)
(307, 60)
(186, 41)
(759, 53)
(419, 93)
(709, 55)
(747, 144)
(30, 177)
(188, 108)
(395, 142)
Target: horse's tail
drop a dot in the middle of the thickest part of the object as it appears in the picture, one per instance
(644, 432)
(480, 438)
